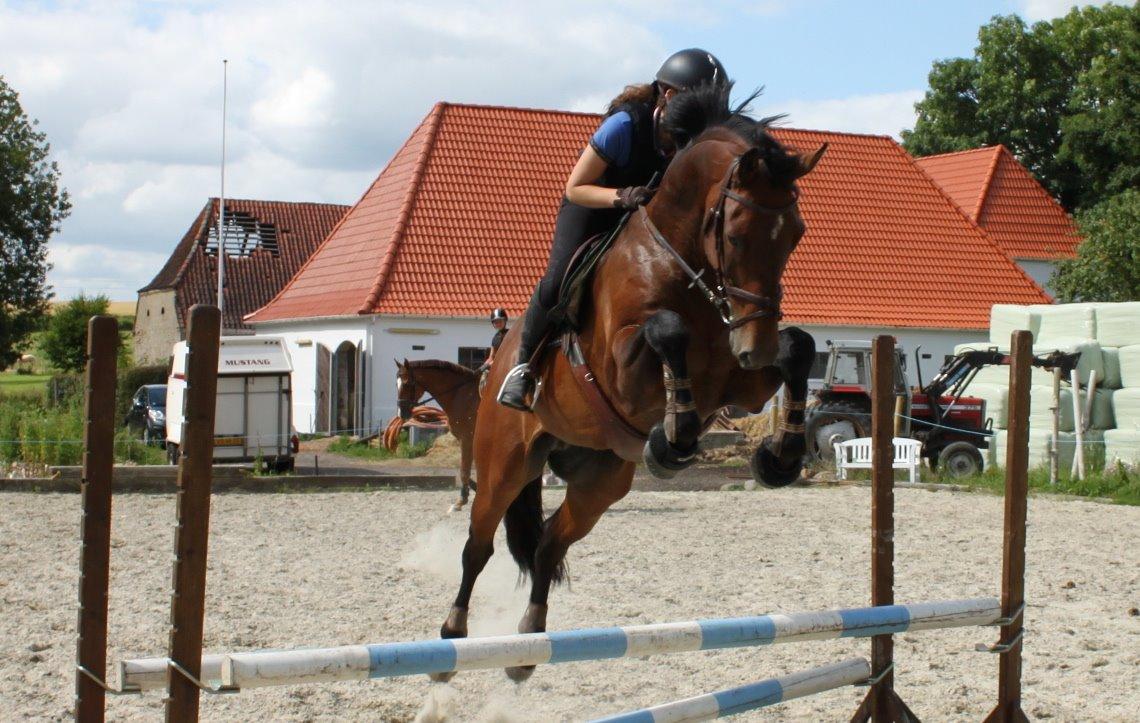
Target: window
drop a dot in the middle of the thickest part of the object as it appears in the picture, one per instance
(473, 357)
(244, 234)
(819, 366)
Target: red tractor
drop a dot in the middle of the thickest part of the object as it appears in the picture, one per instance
(952, 427)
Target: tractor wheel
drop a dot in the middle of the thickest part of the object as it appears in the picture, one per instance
(833, 422)
(960, 459)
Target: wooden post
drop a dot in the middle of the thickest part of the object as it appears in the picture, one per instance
(1013, 548)
(882, 704)
(1055, 439)
(95, 525)
(187, 604)
(1078, 471)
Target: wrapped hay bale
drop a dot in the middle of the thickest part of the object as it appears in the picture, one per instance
(1122, 446)
(1111, 368)
(996, 397)
(1116, 324)
(1126, 408)
(1129, 357)
(1040, 401)
(1040, 441)
(1064, 322)
(1103, 415)
(1008, 318)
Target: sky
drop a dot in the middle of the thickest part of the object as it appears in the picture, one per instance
(322, 93)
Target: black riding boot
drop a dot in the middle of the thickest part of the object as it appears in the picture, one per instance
(518, 388)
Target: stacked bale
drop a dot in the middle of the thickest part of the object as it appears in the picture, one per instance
(1108, 339)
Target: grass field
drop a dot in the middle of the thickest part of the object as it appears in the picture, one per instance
(22, 384)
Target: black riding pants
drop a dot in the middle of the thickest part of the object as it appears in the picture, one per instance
(574, 226)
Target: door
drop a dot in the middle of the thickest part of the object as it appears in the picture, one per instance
(324, 364)
(344, 388)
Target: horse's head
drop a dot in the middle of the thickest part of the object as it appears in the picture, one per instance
(751, 228)
(408, 391)
(751, 221)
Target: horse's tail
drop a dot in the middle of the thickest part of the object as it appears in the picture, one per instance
(524, 528)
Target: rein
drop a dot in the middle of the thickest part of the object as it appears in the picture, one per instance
(431, 397)
(723, 291)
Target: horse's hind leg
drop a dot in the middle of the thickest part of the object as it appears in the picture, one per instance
(673, 443)
(778, 460)
(463, 477)
(595, 480)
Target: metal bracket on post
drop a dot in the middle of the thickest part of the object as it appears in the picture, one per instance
(205, 688)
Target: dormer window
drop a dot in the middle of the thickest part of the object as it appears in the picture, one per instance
(244, 234)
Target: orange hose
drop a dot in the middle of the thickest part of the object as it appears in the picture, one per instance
(430, 417)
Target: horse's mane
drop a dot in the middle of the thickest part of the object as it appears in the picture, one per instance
(699, 112)
(442, 364)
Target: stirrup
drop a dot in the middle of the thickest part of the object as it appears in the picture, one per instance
(519, 371)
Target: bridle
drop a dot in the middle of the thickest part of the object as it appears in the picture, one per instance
(423, 390)
(723, 291)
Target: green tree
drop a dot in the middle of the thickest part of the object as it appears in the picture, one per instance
(32, 205)
(65, 341)
(1107, 266)
(1062, 95)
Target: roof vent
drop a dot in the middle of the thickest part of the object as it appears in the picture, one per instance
(244, 235)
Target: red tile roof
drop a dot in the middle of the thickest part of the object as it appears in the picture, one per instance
(460, 222)
(1001, 196)
(251, 280)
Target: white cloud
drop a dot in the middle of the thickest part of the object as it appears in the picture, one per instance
(880, 113)
(1034, 10)
(321, 94)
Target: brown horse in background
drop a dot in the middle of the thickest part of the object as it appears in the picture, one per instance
(680, 321)
(456, 388)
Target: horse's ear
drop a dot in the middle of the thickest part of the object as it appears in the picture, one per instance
(748, 166)
(805, 164)
(397, 363)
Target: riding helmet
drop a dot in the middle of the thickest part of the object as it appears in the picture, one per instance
(499, 313)
(686, 68)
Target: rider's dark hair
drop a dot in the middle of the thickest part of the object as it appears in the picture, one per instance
(644, 93)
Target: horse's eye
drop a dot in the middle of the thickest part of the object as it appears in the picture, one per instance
(734, 240)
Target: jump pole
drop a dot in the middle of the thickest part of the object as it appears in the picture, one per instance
(188, 600)
(95, 524)
(259, 669)
(750, 697)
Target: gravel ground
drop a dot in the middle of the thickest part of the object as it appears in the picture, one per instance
(299, 570)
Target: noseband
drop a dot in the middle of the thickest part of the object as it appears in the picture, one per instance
(723, 291)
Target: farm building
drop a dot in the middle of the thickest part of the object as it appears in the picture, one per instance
(460, 220)
(1002, 196)
(267, 241)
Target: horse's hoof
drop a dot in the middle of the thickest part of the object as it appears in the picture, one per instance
(664, 460)
(766, 468)
(455, 507)
(454, 627)
(441, 677)
(520, 673)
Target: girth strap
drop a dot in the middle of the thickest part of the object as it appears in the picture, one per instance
(623, 437)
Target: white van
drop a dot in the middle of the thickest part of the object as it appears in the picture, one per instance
(253, 419)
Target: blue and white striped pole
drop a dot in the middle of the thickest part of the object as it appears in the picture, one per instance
(750, 697)
(360, 662)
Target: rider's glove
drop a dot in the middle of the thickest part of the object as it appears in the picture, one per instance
(629, 199)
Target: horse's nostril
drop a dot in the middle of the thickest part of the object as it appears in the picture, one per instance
(745, 358)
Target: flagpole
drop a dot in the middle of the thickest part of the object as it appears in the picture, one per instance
(222, 205)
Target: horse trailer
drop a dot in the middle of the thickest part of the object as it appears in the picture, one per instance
(253, 418)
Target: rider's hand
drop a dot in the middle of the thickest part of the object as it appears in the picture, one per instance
(631, 198)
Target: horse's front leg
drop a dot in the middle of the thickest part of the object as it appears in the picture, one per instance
(778, 460)
(674, 442)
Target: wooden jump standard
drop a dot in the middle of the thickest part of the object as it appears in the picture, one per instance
(184, 670)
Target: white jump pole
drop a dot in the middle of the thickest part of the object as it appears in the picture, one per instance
(360, 662)
(750, 697)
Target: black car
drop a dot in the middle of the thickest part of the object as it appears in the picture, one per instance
(148, 413)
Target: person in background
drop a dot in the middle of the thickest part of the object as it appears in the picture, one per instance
(499, 321)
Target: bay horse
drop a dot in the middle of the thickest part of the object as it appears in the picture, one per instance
(679, 321)
(456, 388)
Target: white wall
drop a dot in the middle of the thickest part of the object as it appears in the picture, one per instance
(1039, 271)
(301, 339)
(936, 342)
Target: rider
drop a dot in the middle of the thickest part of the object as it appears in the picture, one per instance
(610, 178)
(499, 321)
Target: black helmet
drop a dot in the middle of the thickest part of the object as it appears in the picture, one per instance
(687, 68)
(499, 313)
